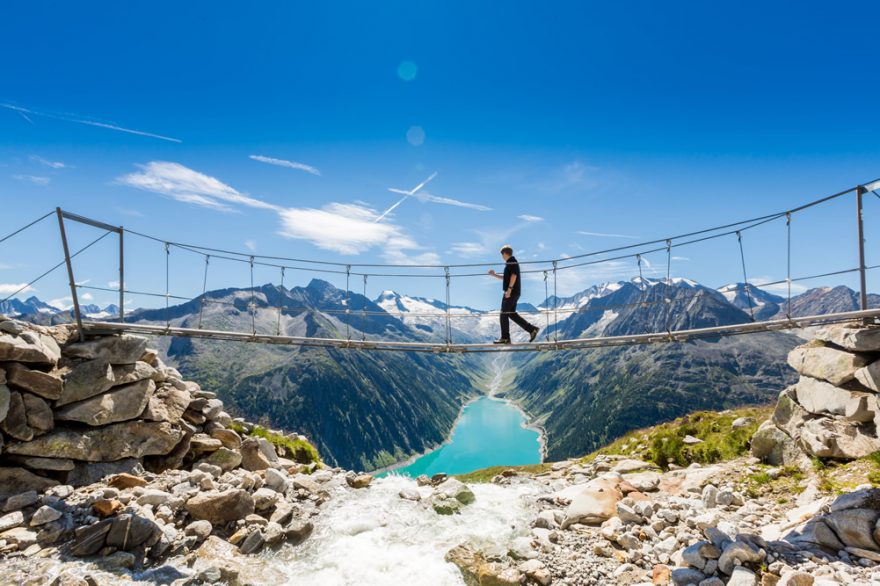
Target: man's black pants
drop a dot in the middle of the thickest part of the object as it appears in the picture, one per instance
(508, 312)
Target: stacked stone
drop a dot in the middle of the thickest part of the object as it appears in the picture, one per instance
(834, 409)
(108, 452)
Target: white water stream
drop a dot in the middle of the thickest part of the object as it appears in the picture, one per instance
(373, 537)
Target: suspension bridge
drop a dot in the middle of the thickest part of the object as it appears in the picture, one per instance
(549, 270)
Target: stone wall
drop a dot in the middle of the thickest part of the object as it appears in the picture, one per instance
(834, 409)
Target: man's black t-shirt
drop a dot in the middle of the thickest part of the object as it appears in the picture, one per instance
(512, 268)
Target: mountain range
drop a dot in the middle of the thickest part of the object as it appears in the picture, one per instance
(370, 409)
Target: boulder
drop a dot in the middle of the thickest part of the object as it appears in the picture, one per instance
(125, 480)
(113, 349)
(854, 527)
(225, 458)
(773, 446)
(738, 552)
(36, 381)
(789, 416)
(15, 481)
(363, 481)
(5, 396)
(124, 374)
(227, 437)
(11, 521)
(199, 529)
(37, 463)
(819, 397)
(30, 347)
(591, 503)
(39, 414)
(89, 539)
(252, 457)
(869, 376)
(167, 404)
(742, 576)
(228, 565)
(476, 570)
(825, 363)
(816, 532)
(202, 443)
(455, 488)
(85, 380)
(119, 404)
(832, 438)
(16, 423)
(221, 507)
(131, 439)
(853, 338)
(43, 515)
(643, 481)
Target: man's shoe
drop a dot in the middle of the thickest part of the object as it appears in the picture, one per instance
(501, 341)
(534, 334)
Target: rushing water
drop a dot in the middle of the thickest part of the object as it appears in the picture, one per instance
(373, 537)
(490, 432)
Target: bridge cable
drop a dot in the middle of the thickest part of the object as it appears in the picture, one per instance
(348, 302)
(448, 301)
(253, 307)
(60, 264)
(788, 263)
(546, 310)
(667, 299)
(280, 303)
(555, 306)
(204, 289)
(364, 313)
(25, 227)
(167, 284)
(742, 257)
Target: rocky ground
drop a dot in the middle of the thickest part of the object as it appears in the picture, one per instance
(116, 470)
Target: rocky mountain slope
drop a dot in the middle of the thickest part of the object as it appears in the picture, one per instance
(364, 409)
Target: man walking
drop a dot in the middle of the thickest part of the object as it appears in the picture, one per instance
(512, 288)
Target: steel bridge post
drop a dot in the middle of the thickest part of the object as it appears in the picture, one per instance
(67, 260)
(863, 290)
(121, 277)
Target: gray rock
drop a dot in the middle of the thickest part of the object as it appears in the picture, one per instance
(5, 395)
(742, 577)
(740, 552)
(37, 463)
(825, 363)
(856, 339)
(298, 531)
(21, 500)
(869, 376)
(687, 576)
(456, 489)
(130, 531)
(227, 437)
(167, 404)
(409, 494)
(789, 416)
(39, 414)
(773, 446)
(11, 520)
(224, 458)
(131, 439)
(252, 543)
(815, 531)
(204, 444)
(154, 497)
(820, 397)
(16, 423)
(854, 527)
(221, 507)
(124, 374)
(199, 529)
(741, 422)
(265, 498)
(868, 498)
(252, 457)
(89, 539)
(119, 404)
(37, 382)
(43, 515)
(30, 347)
(14, 481)
(85, 380)
(276, 480)
(833, 438)
(113, 349)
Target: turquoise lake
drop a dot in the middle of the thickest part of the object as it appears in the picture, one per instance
(490, 432)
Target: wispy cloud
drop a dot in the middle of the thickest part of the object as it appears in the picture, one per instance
(781, 288)
(605, 235)
(530, 218)
(250, 245)
(10, 288)
(48, 163)
(189, 186)
(420, 193)
(285, 163)
(569, 176)
(345, 228)
(79, 120)
(36, 179)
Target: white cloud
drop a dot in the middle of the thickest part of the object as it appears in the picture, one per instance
(569, 175)
(62, 303)
(250, 245)
(189, 186)
(86, 297)
(780, 288)
(37, 180)
(47, 163)
(10, 288)
(530, 218)
(467, 248)
(605, 234)
(288, 164)
(113, 284)
(340, 227)
(87, 122)
(5, 266)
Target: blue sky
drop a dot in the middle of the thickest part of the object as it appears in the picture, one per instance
(581, 125)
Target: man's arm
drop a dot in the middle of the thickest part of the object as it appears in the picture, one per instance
(510, 287)
(496, 275)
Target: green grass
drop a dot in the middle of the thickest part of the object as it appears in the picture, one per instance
(664, 444)
(487, 474)
(301, 450)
